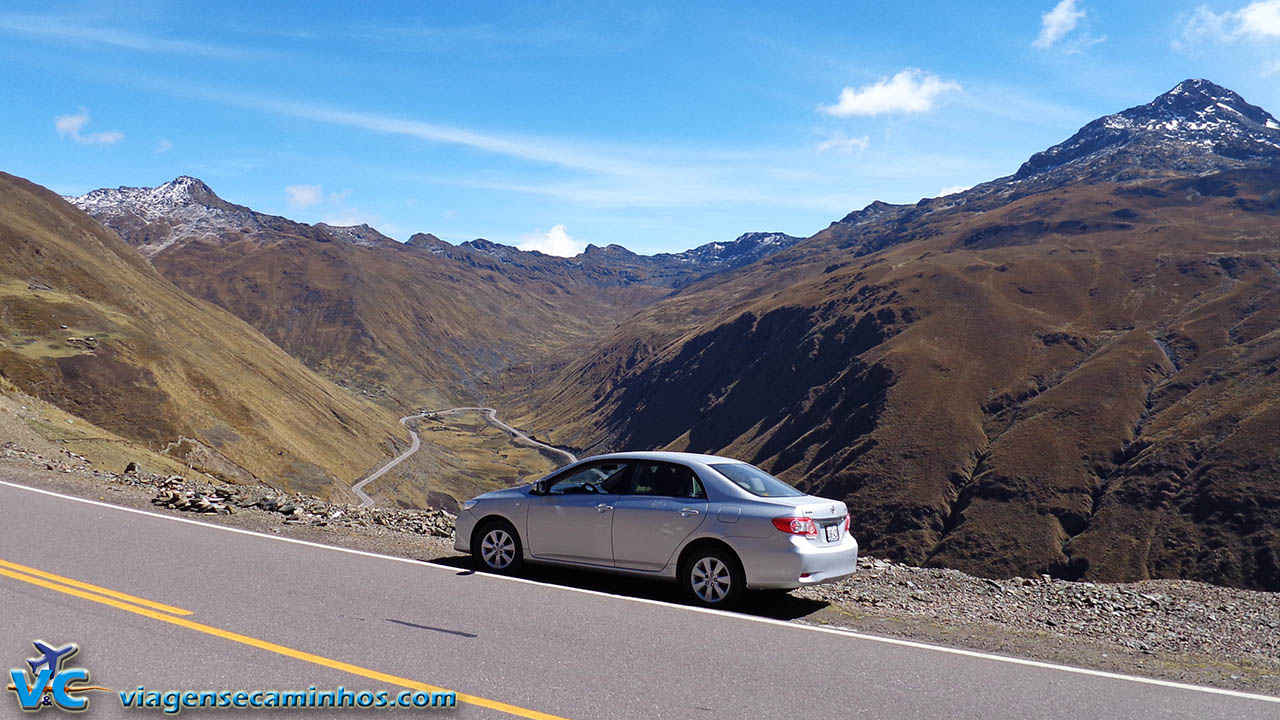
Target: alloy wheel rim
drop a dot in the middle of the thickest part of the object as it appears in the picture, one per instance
(711, 579)
(498, 549)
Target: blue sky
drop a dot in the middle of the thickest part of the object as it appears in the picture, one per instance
(552, 125)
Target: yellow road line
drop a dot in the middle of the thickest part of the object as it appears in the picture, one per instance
(94, 588)
(280, 649)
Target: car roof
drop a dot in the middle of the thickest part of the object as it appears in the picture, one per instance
(667, 456)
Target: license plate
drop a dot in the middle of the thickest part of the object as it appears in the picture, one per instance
(833, 533)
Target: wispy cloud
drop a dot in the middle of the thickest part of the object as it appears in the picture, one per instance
(70, 126)
(301, 196)
(952, 190)
(556, 241)
(1055, 24)
(1060, 22)
(615, 175)
(1256, 22)
(911, 90)
(841, 143)
(164, 145)
(534, 149)
(74, 30)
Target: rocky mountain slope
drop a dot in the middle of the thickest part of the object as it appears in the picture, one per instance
(414, 324)
(88, 325)
(1070, 370)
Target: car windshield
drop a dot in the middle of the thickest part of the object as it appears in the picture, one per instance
(756, 481)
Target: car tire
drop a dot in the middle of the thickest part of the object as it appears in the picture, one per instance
(497, 548)
(712, 577)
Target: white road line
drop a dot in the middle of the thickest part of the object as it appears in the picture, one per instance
(686, 608)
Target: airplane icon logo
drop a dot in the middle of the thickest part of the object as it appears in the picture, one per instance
(53, 657)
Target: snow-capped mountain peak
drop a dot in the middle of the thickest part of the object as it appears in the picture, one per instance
(152, 202)
(746, 248)
(1196, 126)
(185, 209)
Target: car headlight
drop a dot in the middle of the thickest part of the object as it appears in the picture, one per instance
(468, 504)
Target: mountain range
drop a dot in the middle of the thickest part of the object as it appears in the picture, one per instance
(1068, 370)
(360, 307)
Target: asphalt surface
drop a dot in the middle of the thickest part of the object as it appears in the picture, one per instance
(266, 613)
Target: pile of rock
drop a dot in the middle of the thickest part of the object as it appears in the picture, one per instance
(179, 493)
(191, 502)
(176, 492)
(1180, 616)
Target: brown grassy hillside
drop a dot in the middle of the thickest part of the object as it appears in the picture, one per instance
(1081, 382)
(401, 322)
(87, 324)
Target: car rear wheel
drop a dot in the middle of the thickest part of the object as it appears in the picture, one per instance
(713, 578)
(497, 548)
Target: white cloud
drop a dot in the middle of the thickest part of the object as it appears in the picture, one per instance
(555, 241)
(164, 145)
(840, 143)
(301, 196)
(67, 28)
(1255, 21)
(71, 125)
(911, 90)
(952, 190)
(1260, 19)
(532, 148)
(1055, 24)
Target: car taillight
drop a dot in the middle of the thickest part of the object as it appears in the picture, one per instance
(846, 523)
(796, 525)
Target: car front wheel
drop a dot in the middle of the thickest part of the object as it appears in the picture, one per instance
(713, 578)
(497, 548)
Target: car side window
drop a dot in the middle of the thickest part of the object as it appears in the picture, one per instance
(664, 480)
(594, 478)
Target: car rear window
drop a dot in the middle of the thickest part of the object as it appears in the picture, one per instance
(755, 481)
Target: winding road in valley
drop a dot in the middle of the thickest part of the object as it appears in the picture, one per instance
(490, 414)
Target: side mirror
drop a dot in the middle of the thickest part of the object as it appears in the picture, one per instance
(539, 488)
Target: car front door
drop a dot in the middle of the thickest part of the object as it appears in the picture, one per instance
(574, 520)
(661, 505)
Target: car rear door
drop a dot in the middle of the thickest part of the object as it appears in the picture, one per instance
(574, 520)
(661, 504)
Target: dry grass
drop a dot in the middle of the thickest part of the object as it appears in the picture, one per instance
(166, 366)
(44, 428)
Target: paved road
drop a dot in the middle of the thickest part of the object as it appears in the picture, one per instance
(490, 414)
(272, 613)
(414, 444)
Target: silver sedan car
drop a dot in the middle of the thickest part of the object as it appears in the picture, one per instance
(716, 526)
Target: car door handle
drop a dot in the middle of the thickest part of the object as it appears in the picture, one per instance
(603, 508)
(689, 512)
